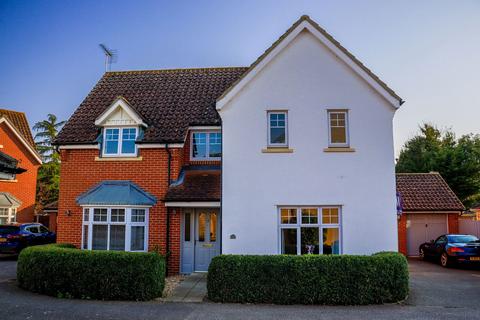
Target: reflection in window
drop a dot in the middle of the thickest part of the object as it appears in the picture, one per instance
(137, 239)
(202, 217)
(289, 241)
(310, 240)
(99, 237)
(309, 215)
(277, 126)
(199, 145)
(187, 226)
(117, 237)
(331, 241)
(215, 145)
(213, 227)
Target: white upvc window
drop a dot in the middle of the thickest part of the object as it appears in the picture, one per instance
(115, 228)
(277, 128)
(310, 230)
(338, 133)
(118, 142)
(8, 215)
(206, 145)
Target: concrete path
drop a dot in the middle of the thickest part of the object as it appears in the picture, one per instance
(192, 289)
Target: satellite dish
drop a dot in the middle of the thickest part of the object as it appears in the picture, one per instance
(110, 56)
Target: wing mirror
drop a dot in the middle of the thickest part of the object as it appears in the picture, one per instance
(432, 241)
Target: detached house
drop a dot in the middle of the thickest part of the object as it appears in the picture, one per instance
(19, 162)
(292, 155)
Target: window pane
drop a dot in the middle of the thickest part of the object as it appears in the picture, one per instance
(3, 220)
(138, 215)
(138, 239)
(111, 141)
(187, 227)
(310, 240)
(85, 214)
(118, 215)
(199, 145)
(289, 241)
(99, 214)
(310, 216)
(128, 140)
(330, 215)
(117, 237)
(331, 243)
(99, 237)
(288, 216)
(215, 145)
(202, 217)
(85, 237)
(277, 135)
(213, 227)
(338, 135)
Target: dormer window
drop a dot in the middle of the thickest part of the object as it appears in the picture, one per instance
(206, 145)
(120, 141)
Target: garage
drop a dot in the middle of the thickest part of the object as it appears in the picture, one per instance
(428, 208)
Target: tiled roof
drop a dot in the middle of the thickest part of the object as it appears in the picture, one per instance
(116, 192)
(19, 120)
(426, 192)
(169, 101)
(196, 185)
(8, 200)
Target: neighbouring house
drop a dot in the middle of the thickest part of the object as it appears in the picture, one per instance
(19, 162)
(293, 155)
(48, 216)
(428, 209)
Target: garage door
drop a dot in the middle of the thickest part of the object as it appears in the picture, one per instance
(422, 228)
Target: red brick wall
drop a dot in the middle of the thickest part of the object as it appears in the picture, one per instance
(402, 234)
(24, 189)
(80, 171)
(453, 223)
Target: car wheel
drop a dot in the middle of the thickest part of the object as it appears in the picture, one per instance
(445, 260)
(422, 254)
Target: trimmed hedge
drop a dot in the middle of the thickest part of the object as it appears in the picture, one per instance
(61, 270)
(309, 279)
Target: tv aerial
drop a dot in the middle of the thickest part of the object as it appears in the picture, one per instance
(110, 56)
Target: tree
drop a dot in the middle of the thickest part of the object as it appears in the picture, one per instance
(49, 173)
(457, 160)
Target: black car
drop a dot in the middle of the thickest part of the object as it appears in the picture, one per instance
(452, 248)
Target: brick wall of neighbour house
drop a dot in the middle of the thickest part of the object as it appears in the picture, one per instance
(80, 171)
(453, 222)
(402, 234)
(24, 188)
(186, 151)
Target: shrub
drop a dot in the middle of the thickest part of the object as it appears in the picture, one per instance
(309, 279)
(63, 271)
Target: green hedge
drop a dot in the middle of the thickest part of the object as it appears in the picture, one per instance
(309, 279)
(63, 271)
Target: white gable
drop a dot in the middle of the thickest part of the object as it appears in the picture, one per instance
(120, 113)
(306, 24)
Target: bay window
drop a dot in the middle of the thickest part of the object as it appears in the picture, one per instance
(310, 230)
(123, 229)
(119, 142)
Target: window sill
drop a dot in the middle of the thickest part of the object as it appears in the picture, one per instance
(277, 150)
(15, 180)
(118, 159)
(339, 149)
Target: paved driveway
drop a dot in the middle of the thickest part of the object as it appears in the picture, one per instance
(436, 293)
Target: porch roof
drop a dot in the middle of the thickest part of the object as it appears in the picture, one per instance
(116, 192)
(200, 184)
(8, 200)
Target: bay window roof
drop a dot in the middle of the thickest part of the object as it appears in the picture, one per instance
(8, 200)
(116, 193)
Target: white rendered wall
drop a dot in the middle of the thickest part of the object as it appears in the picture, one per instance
(307, 79)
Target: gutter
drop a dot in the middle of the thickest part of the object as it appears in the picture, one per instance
(167, 240)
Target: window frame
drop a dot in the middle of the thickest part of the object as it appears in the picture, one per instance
(11, 214)
(207, 145)
(269, 143)
(119, 152)
(346, 144)
(89, 222)
(320, 225)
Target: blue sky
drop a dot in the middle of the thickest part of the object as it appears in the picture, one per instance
(427, 51)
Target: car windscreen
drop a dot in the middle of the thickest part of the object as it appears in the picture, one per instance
(8, 229)
(462, 238)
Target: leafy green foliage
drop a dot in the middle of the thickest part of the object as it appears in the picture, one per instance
(308, 279)
(49, 172)
(457, 160)
(62, 271)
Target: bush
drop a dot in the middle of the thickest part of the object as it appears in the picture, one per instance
(63, 271)
(309, 279)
